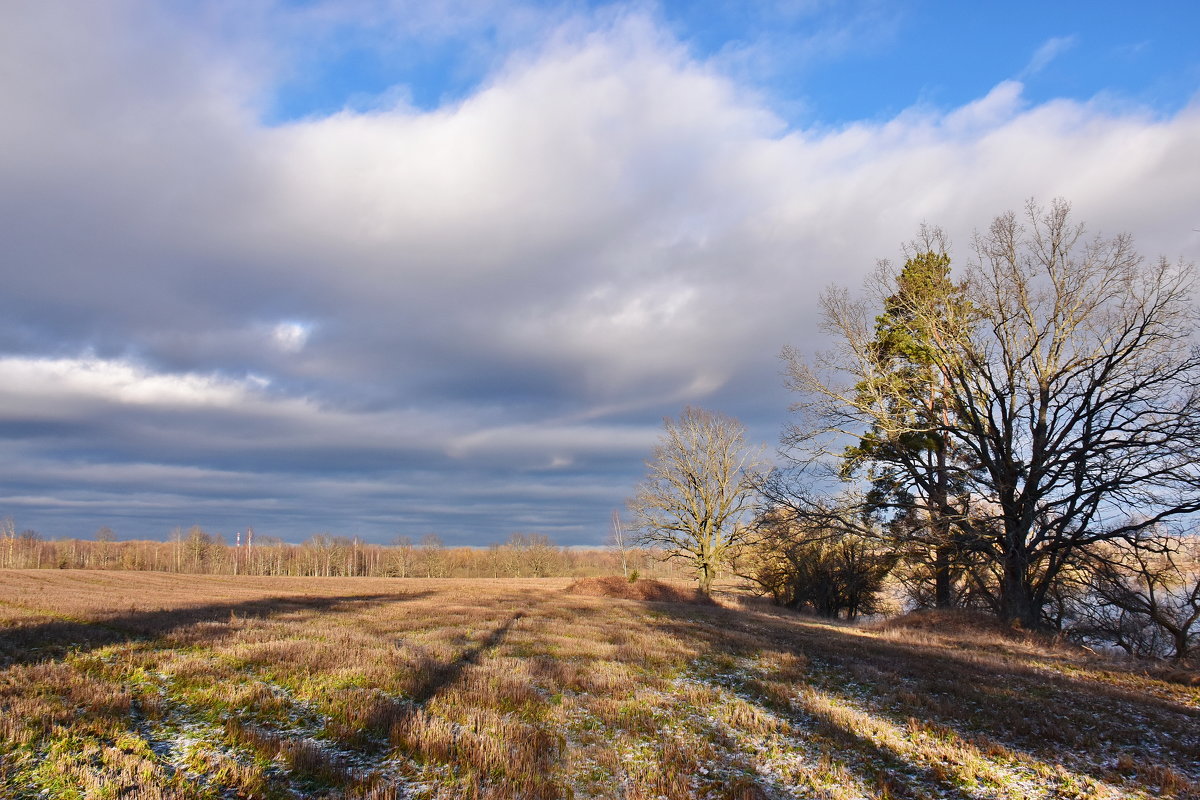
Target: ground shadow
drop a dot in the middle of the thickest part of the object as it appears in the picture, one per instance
(1035, 712)
(25, 643)
(440, 676)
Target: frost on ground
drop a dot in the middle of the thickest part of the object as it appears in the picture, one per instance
(381, 689)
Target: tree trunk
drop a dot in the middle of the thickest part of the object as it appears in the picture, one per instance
(943, 553)
(706, 578)
(942, 595)
(1182, 647)
(1017, 601)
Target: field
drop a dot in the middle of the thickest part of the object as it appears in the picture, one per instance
(147, 685)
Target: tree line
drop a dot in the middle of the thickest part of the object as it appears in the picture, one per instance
(1020, 434)
(197, 551)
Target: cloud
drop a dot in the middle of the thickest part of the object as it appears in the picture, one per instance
(1049, 50)
(290, 337)
(560, 441)
(55, 380)
(466, 318)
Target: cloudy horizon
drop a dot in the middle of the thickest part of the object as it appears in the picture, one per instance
(382, 269)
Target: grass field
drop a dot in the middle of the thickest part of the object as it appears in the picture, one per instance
(145, 685)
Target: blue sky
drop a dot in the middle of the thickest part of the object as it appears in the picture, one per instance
(818, 63)
(382, 268)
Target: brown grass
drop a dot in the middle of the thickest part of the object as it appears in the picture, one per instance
(961, 625)
(644, 590)
(156, 686)
(1184, 675)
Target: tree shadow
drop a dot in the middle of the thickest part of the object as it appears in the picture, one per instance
(52, 640)
(441, 676)
(1031, 711)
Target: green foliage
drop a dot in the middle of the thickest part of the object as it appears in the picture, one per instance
(913, 470)
(907, 355)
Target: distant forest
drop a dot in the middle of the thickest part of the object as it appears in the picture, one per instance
(197, 551)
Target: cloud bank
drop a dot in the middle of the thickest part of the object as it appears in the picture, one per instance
(470, 318)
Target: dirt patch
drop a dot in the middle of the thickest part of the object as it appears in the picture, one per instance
(644, 590)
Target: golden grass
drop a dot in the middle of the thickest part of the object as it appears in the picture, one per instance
(144, 685)
(614, 586)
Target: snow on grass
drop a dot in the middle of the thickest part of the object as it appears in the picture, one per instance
(492, 691)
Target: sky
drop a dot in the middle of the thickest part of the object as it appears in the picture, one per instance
(383, 268)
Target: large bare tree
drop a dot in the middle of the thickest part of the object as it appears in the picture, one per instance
(698, 492)
(1070, 376)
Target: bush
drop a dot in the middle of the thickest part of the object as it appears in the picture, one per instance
(826, 571)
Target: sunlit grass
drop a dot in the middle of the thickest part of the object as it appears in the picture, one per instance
(156, 686)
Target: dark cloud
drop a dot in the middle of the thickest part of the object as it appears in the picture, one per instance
(469, 319)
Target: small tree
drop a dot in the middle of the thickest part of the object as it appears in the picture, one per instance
(829, 575)
(617, 539)
(541, 555)
(699, 489)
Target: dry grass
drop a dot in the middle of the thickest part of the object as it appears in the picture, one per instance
(645, 590)
(142, 685)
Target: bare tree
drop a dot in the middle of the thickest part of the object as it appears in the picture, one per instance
(699, 489)
(8, 532)
(105, 536)
(433, 556)
(401, 557)
(1156, 587)
(532, 553)
(511, 556)
(541, 555)
(617, 539)
(322, 547)
(1071, 377)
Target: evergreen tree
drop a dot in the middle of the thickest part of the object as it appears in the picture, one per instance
(906, 453)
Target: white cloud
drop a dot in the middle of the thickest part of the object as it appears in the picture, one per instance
(530, 277)
(61, 380)
(290, 337)
(1049, 50)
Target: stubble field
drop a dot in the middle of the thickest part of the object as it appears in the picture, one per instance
(145, 685)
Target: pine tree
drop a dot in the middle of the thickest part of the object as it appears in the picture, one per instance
(906, 454)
